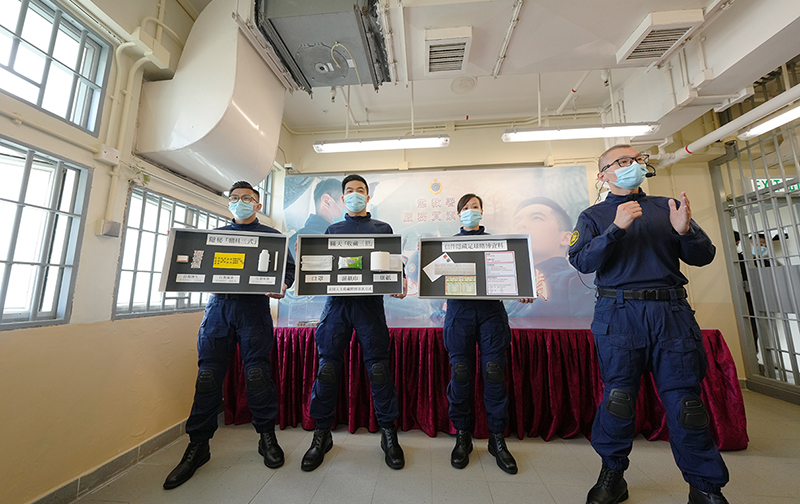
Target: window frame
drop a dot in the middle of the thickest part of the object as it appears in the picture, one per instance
(98, 71)
(147, 311)
(265, 188)
(69, 262)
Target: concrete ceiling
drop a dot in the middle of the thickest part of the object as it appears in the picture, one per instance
(558, 39)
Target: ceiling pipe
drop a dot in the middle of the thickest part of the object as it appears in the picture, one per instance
(573, 92)
(473, 124)
(507, 40)
(403, 40)
(726, 130)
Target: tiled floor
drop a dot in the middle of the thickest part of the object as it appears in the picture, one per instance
(554, 472)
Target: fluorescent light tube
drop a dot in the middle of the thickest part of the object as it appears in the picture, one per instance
(386, 143)
(761, 127)
(577, 132)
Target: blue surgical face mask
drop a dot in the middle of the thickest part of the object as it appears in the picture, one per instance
(631, 176)
(470, 217)
(355, 202)
(241, 209)
(759, 252)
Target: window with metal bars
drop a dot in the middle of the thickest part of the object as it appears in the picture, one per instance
(42, 207)
(149, 218)
(52, 61)
(264, 189)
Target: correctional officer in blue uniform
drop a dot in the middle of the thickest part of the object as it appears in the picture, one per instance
(642, 321)
(484, 322)
(231, 319)
(340, 316)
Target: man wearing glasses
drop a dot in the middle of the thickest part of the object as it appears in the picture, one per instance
(230, 319)
(634, 243)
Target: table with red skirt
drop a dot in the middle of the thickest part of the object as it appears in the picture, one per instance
(552, 376)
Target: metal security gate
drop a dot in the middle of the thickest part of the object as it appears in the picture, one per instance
(757, 189)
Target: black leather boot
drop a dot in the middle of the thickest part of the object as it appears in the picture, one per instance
(320, 445)
(610, 488)
(460, 456)
(391, 447)
(497, 447)
(269, 449)
(196, 454)
(699, 497)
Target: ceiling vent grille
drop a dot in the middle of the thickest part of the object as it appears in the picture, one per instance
(447, 50)
(658, 35)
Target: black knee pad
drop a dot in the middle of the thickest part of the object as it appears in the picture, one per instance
(378, 373)
(256, 380)
(461, 373)
(327, 374)
(693, 413)
(495, 372)
(621, 404)
(206, 381)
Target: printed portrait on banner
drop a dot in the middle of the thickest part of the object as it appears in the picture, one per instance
(541, 201)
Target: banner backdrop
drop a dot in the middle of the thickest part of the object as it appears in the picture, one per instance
(541, 201)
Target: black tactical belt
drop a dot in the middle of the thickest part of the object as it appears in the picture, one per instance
(646, 294)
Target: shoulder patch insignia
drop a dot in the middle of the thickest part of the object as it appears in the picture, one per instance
(574, 238)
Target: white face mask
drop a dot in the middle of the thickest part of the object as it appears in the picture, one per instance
(739, 247)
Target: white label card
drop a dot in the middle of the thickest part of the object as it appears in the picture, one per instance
(503, 269)
(384, 277)
(349, 289)
(454, 269)
(474, 246)
(188, 278)
(262, 280)
(225, 279)
(501, 286)
(500, 257)
(351, 243)
(348, 278)
(318, 279)
(232, 240)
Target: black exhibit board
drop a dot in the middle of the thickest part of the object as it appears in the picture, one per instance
(476, 267)
(349, 265)
(232, 262)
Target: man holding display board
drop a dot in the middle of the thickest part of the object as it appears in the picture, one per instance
(230, 319)
(340, 316)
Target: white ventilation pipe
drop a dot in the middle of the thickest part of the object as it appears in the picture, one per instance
(403, 40)
(573, 92)
(740, 122)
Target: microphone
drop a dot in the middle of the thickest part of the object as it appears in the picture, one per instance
(650, 173)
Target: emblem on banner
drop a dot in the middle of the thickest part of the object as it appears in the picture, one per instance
(574, 238)
(436, 186)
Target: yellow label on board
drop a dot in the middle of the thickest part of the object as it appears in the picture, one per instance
(228, 260)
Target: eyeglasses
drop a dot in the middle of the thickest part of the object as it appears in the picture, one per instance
(246, 198)
(626, 161)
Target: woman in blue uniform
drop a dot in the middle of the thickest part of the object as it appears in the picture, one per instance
(484, 322)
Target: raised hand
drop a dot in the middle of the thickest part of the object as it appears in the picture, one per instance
(680, 217)
(627, 213)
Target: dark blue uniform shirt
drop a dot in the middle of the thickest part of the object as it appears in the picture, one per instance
(647, 255)
(359, 225)
(480, 231)
(261, 228)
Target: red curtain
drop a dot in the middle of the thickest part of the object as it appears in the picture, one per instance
(553, 380)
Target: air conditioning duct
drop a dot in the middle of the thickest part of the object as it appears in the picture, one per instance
(326, 43)
(658, 35)
(218, 120)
